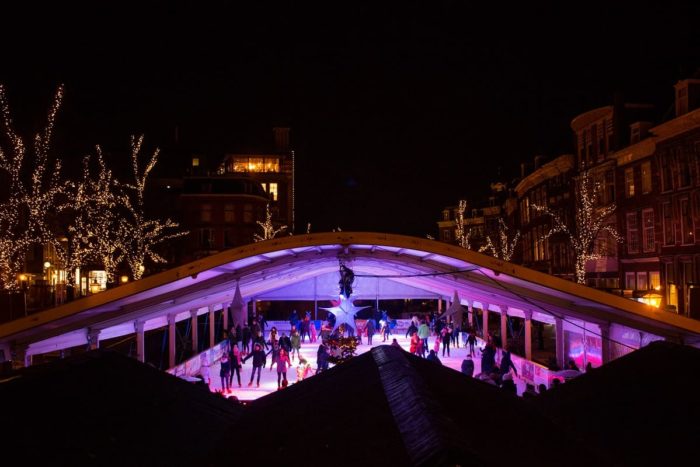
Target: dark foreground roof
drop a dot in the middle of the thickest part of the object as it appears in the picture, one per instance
(387, 407)
(642, 408)
(103, 408)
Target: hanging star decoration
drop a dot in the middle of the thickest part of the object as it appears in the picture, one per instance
(344, 312)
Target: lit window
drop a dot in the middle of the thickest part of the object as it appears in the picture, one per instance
(630, 280)
(654, 280)
(272, 165)
(273, 191)
(97, 281)
(629, 182)
(255, 164)
(195, 162)
(642, 281)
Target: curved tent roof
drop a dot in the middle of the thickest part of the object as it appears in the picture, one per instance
(305, 267)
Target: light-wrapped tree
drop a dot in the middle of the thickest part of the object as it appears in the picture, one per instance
(27, 212)
(591, 221)
(268, 227)
(137, 234)
(505, 247)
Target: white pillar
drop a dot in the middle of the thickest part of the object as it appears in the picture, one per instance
(171, 340)
(605, 342)
(93, 338)
(559, 333)
(485, 314)
(470, 305)
(140, 341)
(439, 305)
(224, 312)
(212, 327)
(504, 326)
(20, 357)
(194, 330)
(5, 353)
(528, 334)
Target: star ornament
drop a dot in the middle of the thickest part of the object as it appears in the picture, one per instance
(345, 312)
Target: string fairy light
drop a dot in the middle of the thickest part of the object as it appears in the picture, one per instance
(91, 236)
(138, 235)
(590, 222)
(25, 217)
(462, 235)
(506, 246)
(268, 228)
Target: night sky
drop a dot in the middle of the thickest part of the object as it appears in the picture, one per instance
(396, 110)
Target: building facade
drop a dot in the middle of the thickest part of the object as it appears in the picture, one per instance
(659, 182)
(274, 170)
(550, 186)
(650, 173)
(220, 212)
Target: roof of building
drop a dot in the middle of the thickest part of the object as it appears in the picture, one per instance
(641, 408)
(103, 408)
(382, 407)
(388, 407)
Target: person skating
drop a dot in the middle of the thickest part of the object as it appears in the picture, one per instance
(225, 370)
(295, 339)
(370, 330)
(282, 365)
(235, 358)
(259, 361)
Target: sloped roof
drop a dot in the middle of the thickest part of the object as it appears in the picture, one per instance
(103, 408)
(642, 408)
(387, 407)
(304, 267)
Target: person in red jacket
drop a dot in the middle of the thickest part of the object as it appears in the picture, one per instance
(282, 365)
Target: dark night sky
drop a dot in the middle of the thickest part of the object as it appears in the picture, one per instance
(396, 110)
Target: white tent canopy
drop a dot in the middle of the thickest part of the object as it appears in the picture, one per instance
(305, 267)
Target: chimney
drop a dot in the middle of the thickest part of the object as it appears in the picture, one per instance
(639, 131)
(687, 96)
(281, 139)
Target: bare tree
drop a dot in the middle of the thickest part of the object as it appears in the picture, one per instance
(591, 221)
(462, 235)
(268, 227)
(25, 216)
(93, 236)
(138, 235)
(505, 247)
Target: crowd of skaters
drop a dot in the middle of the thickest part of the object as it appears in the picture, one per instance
(248, 342)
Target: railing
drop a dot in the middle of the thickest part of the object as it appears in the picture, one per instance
(192, 366)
